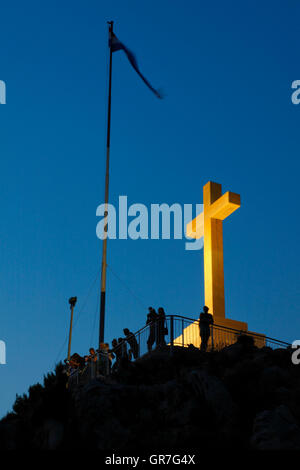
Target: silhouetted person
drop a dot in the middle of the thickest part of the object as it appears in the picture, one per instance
(161, 327)
(115, 349)
(117, 352)
(111, 357)
(77, 362)
(104, 361)
(123, 347)
(152, 321)
(92, 356)
(131, 340)
(205, 320)
(92, 361)
(74, 361)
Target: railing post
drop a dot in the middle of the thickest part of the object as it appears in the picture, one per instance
(212, 337)
(182, 329)
(171, 333)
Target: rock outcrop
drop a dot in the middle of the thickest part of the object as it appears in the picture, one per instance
(241, 397)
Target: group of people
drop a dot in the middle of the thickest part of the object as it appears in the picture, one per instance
(80, 362)
(96, 359)
(120, 351)
(157, 326)
(126, 348)
(157, 332)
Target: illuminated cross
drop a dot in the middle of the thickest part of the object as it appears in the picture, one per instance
(210, 223)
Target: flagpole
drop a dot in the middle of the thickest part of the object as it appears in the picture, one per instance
(104, 243)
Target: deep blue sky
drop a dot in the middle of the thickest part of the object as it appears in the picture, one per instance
(226, 69)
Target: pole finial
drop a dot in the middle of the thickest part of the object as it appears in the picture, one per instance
(111, 24)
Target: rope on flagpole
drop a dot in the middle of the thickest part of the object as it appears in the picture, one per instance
(126, 287)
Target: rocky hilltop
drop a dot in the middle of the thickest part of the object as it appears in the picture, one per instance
(240, 396)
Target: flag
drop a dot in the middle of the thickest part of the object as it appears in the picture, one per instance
(116, 45)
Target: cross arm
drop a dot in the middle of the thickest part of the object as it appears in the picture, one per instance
(195, 228)
(224, 206)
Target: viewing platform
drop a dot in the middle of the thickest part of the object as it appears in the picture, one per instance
(181, 332)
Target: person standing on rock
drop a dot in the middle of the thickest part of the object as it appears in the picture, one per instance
(152, 321)
(162, 329)
(131, 340)
(205, 320)
(117, 353)
(92, 361)
(123, 347)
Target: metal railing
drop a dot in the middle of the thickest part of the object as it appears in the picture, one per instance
(183, 331)
(175, 331)
(186, 332)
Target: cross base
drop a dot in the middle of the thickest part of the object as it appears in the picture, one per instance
(228, 323)
(222, 335)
